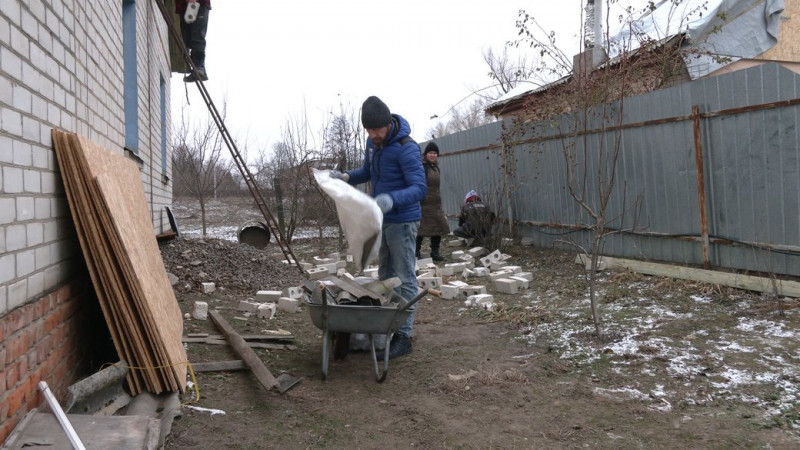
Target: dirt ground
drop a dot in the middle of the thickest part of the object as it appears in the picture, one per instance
(681, 365)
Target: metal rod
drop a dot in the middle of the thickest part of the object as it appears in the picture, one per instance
(62, 418)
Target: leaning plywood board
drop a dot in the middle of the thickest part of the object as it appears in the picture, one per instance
(113, 221)
(127, 219)
(154, 291)
(748, 282)
(84, 222)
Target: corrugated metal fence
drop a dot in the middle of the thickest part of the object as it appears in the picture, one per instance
(708, 173)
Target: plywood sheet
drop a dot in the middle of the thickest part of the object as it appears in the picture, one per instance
(107, 201)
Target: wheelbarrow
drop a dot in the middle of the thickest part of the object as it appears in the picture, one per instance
(351, 318)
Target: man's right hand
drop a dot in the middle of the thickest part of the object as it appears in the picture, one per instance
(340, 175)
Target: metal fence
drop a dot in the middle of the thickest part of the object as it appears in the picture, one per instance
(708, 174)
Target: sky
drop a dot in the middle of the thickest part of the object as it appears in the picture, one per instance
(268, 62)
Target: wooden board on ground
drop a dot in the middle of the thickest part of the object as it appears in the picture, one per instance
(217, 366)
(739, 281)
(42, 430)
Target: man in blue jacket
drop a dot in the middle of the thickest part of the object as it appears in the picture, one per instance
(394, 170)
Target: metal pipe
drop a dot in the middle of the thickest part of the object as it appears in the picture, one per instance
(62, 418)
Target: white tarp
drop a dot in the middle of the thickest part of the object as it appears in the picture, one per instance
(722, 31)
(359, 215)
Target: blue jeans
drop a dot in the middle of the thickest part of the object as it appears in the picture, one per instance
(396, 259)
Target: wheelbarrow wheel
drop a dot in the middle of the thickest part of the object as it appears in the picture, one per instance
(341, 345)
(327, 338)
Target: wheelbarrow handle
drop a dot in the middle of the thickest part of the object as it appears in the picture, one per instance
(414, 300)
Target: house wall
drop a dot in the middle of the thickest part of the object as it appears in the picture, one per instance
(61, 67)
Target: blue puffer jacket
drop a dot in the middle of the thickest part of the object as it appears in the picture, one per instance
(396, 170)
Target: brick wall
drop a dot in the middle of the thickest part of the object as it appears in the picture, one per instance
(61, 67)
(45, 340)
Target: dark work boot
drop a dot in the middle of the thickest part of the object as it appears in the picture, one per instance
(398, 346)
(191, 78)
(436, 242)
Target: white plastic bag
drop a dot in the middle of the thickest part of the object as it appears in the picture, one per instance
(360, 216)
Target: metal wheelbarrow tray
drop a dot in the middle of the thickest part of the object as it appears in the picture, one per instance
(370, 320)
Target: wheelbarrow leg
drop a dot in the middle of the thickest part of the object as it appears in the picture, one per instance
(327, 336)
(381, 375)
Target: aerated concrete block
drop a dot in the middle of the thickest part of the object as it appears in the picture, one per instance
(268, 296)
(457, 267)
(371, 272)
(466, 291)
(321, 261)
(485, 301)
(522, 283)
(457, 243)
(329, 267)
(317, 273)
(526, 275)
(506, 286)
(497, 265)
(248, 306)
(500, 274)
(293, 292)
(289, 305)
(200, 310)
(444, 271)
(515, 269)
(208, 288)
(481, 272)
(429, 282)
(266, 311)
(449, 292)
(477, 252)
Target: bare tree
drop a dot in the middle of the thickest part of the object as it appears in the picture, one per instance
(591, 132)
(198, 162)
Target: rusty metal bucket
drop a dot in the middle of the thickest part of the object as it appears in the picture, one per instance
(253, 233)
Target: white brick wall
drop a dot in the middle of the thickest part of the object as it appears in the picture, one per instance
(61, 67)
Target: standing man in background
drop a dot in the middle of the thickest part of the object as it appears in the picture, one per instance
(194, 36)
(393, 167)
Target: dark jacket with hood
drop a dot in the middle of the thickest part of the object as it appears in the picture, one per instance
(395, 169)
(434, 222)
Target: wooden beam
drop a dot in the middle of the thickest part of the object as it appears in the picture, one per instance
(217, 366)
(739, 281)
(246, 353)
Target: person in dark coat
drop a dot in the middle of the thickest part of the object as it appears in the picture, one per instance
(194, 36)
(475, 220)
(434, 223)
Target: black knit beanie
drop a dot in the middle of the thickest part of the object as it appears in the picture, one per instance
(431, 147)
(375, 113)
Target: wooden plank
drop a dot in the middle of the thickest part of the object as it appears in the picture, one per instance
(246, 337)
(246, 353)
(217, 366)
(264, 345)
(786, 288)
